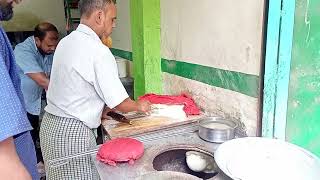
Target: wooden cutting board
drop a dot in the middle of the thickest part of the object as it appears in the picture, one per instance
(142, 125)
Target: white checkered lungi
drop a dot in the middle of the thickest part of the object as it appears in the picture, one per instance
(61, 137)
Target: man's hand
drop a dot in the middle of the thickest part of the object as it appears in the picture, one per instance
(105, 112)
(144, 106)
(10, 164)
(41, 79)
(129, 105)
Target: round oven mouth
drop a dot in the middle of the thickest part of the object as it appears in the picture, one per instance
(174, 159)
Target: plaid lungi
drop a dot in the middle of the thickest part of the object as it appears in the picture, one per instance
(62, 137)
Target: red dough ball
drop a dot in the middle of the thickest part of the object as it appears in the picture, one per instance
(120, 150)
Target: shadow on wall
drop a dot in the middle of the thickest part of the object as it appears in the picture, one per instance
(22, 22)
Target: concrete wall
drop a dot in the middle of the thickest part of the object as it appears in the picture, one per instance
(121, 35)
(31, 12)
(303, 118)
(224, 35)
(212, 50)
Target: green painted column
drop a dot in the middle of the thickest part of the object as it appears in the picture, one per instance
(303, 117)
(145, 32)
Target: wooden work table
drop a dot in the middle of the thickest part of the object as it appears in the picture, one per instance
(114, 129)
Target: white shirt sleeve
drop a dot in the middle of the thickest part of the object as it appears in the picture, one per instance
(106, 81)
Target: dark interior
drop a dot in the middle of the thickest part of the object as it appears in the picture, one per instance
(175, 160)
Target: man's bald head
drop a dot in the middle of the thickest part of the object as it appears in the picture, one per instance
(99, 15)
(87, 7)
(46, 36)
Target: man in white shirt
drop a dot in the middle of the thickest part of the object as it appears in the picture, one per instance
(84, 79)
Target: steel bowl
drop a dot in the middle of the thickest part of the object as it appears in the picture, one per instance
(216, 129)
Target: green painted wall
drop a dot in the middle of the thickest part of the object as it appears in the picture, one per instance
(122, 53)
(219, 67)
(145, 30)
(303, 117)
(236, 81)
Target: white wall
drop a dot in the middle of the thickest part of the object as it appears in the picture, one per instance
(121, 35)
(217, 101)
(30, 12)
(225, 34)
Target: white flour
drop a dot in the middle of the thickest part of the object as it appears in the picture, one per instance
(171, 111)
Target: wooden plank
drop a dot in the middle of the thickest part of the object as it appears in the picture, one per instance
(144, 125)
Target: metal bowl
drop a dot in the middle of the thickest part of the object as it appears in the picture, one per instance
(217, 130)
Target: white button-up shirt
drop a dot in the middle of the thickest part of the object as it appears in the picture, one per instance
(84, 78)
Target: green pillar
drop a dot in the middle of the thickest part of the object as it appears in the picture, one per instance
(145, 32)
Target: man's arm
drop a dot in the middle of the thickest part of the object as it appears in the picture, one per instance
(13, 120)
(40, 78)
(10, 165)
(27, 61)
(129, 105)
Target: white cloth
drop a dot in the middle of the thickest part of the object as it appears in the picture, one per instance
(84, 78)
